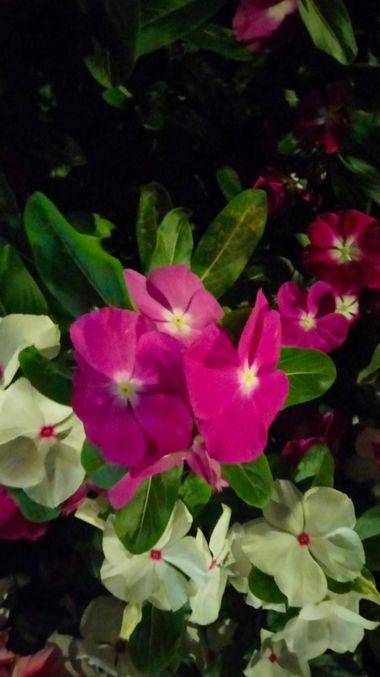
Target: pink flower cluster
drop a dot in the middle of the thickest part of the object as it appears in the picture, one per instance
(45, 663)
(150, 382)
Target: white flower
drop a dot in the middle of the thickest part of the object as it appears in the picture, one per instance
(302, 538)
(155, 575)
(20, 331)
(275, 659)
(205, 599)
(332, 624)
(40, 445)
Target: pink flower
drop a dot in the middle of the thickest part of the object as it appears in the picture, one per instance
(322, 118)
(299, 428)
(129, 389)
(236, 393)
(282, 188)
(196, 457)
(45, 663)
(175, 300)
(309, 318)
(13, 524)
(345, 250)
(257, 20)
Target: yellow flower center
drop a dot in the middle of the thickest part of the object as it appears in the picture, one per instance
(178, 321)
(126, 388)
(345, 250)
(307, 321)
(248, 379)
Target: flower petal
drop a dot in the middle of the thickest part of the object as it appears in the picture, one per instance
(340, 554)
(284, 510)
(21, 463)
(327, 509)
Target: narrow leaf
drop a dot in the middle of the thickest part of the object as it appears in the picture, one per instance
(174, 243)
(19, 292)
(154, 203)
(330, 28)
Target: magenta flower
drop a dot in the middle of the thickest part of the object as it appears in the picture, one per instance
(322, 118)
(344, 250)
(236, 393)
(255, 21)
(175, 300)
(13, 524)
(309, 318)
(129, 390)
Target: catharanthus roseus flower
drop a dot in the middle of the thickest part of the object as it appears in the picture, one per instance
(312, 535)
(13, 524)
(280, 189)
(205, 599)
(299, 428)
(236, 393)
(344, 250)
(19, 331)
(157, 575)
(129, 389)
(175, 300)
(348, 306)
(322, 118)
(46, 662)
(275, 659)
(256, 21)
(40, 445)
(309, 317)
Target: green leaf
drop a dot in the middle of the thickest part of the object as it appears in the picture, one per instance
(195, 493)
(229, 182)
(169, 20)
(220, 40)
(123, 31)
(73, 265)
(50, 377)
(103, 475)
(117, 97)
(265, 587)
(32, 510)
(143, 520)
(372, 553)
(366, 176)
(318, 463)
(19, 292)
(252, 482)
(230, 241)
(154, 203)
(310, 374)
(330, 28)
(371, 368)
(154, 643)
(368, 524)
(174, 243)
(99, 65)
(90, 223)
(9, 209)
(289, 145)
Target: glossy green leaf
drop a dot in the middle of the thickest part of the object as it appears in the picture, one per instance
(195, 493)
(154, 203)
(317, 463)
(143, 520)
(19, 292)
(221, 40)
(230, 241)
(103, 475)
(50, 377)
(252, 482)
(123, 24)
(9, 210)
(368, 524)
(74, 267)
(32, 510)
(310, 374)
(265, 587)
(165, 21)
(372, 367)
(154, 643)
(174, 242)
(330, 28)
(229, 182)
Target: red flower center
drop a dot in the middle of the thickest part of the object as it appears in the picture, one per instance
(47, 431)
(213, 564)
(303, 538)
(273, 658)
(1, 371)
(155, 554)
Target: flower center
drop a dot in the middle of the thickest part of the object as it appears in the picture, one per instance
(303, 538)
(178, 321)
(47, 431)
(248, 379)
(155, 554)
(1, 371)
(307, 321)
(345, 250)
(213, 564)
(272, 658)
(126, 388)
(347, 305)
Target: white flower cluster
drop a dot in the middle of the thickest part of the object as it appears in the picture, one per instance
(302, 541)
(40, 440)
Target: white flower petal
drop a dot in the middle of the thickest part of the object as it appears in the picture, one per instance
(19, 413)
(266, 547)
(18, 331)
(174, 586)
(300, 578)
(218, 545)
(327, 510)
(347, 628)
(309, 638)
(284, 510)
(179, 524)
(21, 464)
(131, 579)
(206, 601)
(340, 554)
(63, 475)
(188, 557)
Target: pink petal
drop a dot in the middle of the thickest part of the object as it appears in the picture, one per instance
(159, 363)
(174, 284)
(321, 299)
(166, 421)
(261, 337)
(137, 287)
(324, 230)
(204, 309)
(269, 396)
(292, 299)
